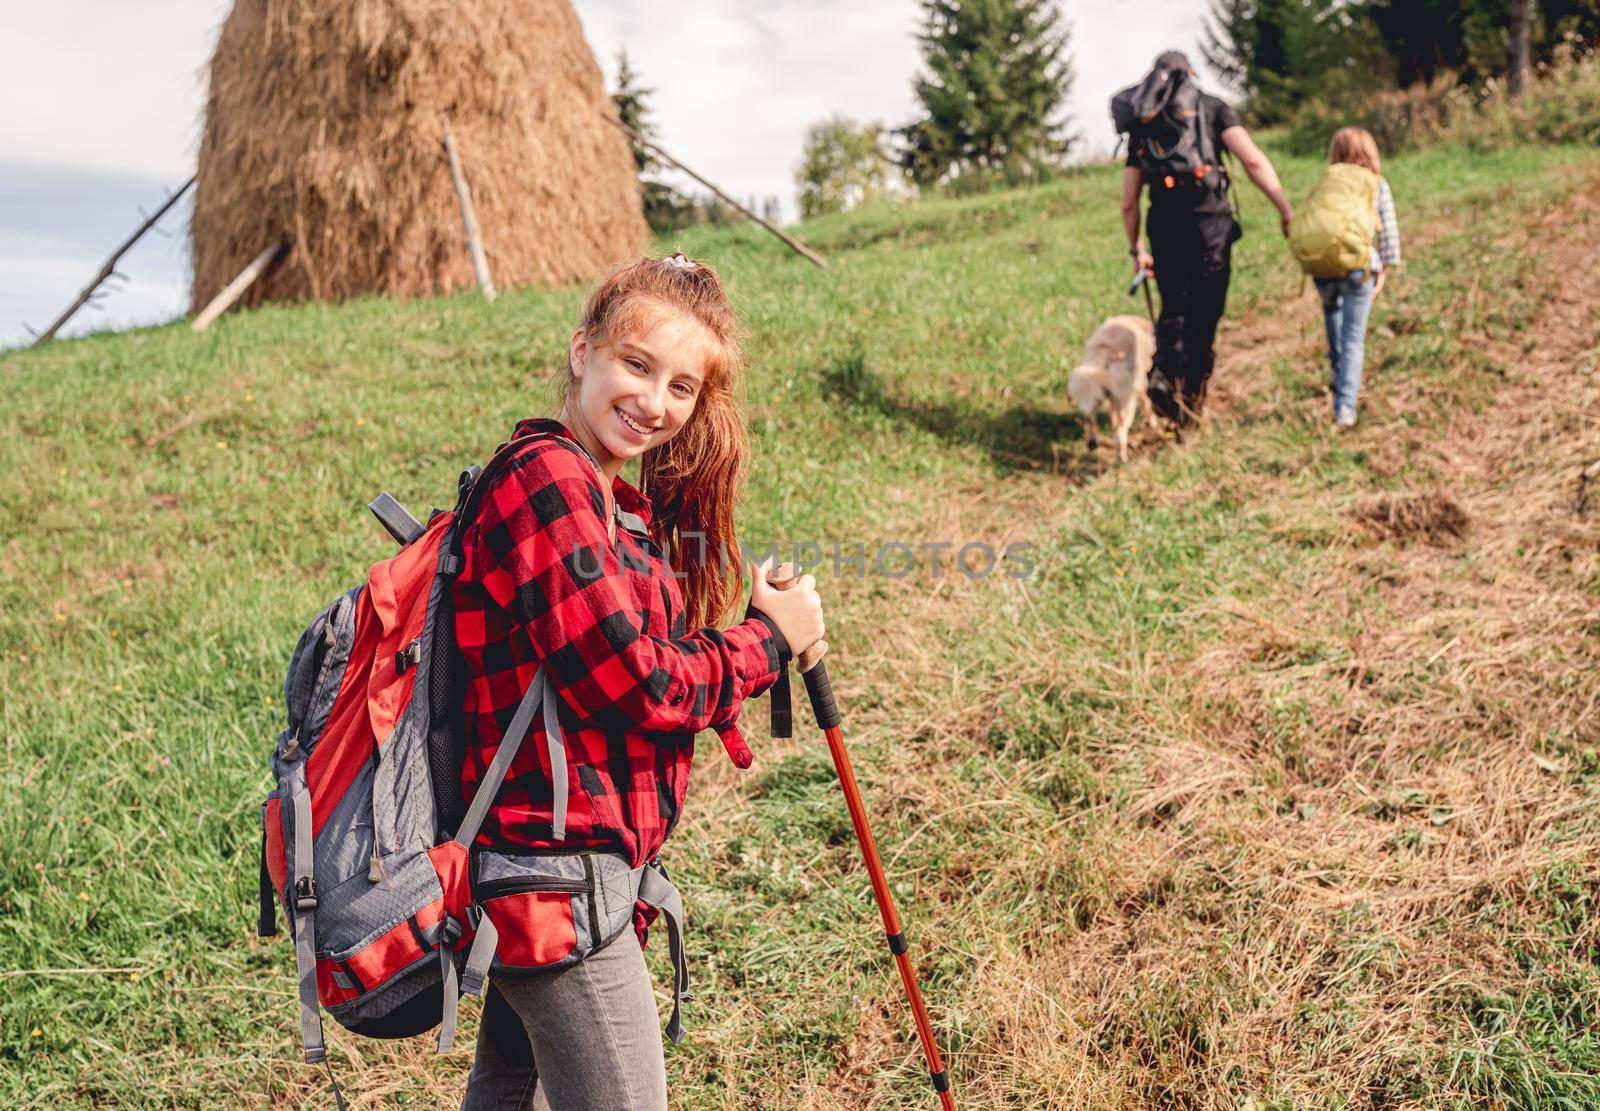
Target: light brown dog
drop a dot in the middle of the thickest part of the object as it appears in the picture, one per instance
(1115, 370)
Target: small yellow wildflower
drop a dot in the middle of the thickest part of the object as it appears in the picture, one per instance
(222, 445)
(249, 397)
(61, 616)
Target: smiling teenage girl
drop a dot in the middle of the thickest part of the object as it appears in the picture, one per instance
(616, 593)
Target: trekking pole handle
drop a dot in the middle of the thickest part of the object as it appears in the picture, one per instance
(782, 577)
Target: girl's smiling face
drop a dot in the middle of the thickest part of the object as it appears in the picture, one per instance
(635, 391)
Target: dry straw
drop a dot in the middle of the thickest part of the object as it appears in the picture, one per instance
(1432, 516)
(324, 126)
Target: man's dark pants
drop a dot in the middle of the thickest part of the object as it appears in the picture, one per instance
(1193, 250)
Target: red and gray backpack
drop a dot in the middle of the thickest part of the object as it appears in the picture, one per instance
(366, 839)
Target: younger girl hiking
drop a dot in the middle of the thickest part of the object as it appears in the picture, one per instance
(1346, 237)
(611, 596)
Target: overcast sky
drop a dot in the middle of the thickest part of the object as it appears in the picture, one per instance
(103, 98)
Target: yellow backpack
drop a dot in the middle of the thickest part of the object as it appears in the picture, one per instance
(1332, 232)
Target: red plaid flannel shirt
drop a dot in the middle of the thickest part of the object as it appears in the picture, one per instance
(542, 583)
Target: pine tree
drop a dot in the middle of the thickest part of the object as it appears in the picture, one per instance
(1282, 54)
(997, 72)
(1286, 54)
(664, 207)
(632, 109)
(1262, 48)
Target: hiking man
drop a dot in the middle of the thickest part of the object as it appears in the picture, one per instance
(1174, 130)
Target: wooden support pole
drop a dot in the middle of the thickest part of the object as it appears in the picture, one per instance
(110, 266)
(469, 219)
(794, 244)
(235, 289)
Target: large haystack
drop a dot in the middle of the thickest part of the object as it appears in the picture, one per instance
(324, 127)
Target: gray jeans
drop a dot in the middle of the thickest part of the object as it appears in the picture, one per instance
(586, 1038)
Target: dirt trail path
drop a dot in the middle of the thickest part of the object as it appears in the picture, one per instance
(1346, 803)
(1376, 854)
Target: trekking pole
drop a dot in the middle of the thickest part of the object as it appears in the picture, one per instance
(1143, 279)
(827, 711)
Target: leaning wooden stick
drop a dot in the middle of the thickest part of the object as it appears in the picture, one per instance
(469, 218)
(827, 711)
(794, 244)
(110, 266)
(234, 290)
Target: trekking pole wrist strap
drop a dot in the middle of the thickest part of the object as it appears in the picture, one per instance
(781, 642)
(779, 701)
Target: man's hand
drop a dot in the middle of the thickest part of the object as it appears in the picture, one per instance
(1259, 167)
(1142, 260)
(1377, 283)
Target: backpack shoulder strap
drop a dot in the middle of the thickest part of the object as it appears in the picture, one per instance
(475, 481)
(1153, 95)
(541, 689)
(1209, 151)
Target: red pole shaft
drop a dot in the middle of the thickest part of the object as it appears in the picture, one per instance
(891, 920)
(827, 711)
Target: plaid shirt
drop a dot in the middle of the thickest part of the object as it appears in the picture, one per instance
(1386, 247)
(542, 583)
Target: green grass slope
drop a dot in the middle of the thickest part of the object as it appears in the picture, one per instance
(1233, 801)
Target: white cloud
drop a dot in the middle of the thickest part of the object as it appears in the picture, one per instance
(40, 275)
(1113, 46)
(114, 86)
(738, 82)
(110, 89)
(106, 84)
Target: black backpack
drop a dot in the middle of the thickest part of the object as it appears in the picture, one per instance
(1164, 118)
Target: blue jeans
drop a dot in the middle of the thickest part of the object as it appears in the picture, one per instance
(1345, 304)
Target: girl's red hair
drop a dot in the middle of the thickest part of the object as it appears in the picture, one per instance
(1355, 144)
(694, 479)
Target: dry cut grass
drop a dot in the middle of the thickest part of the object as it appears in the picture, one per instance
(1312, 856)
